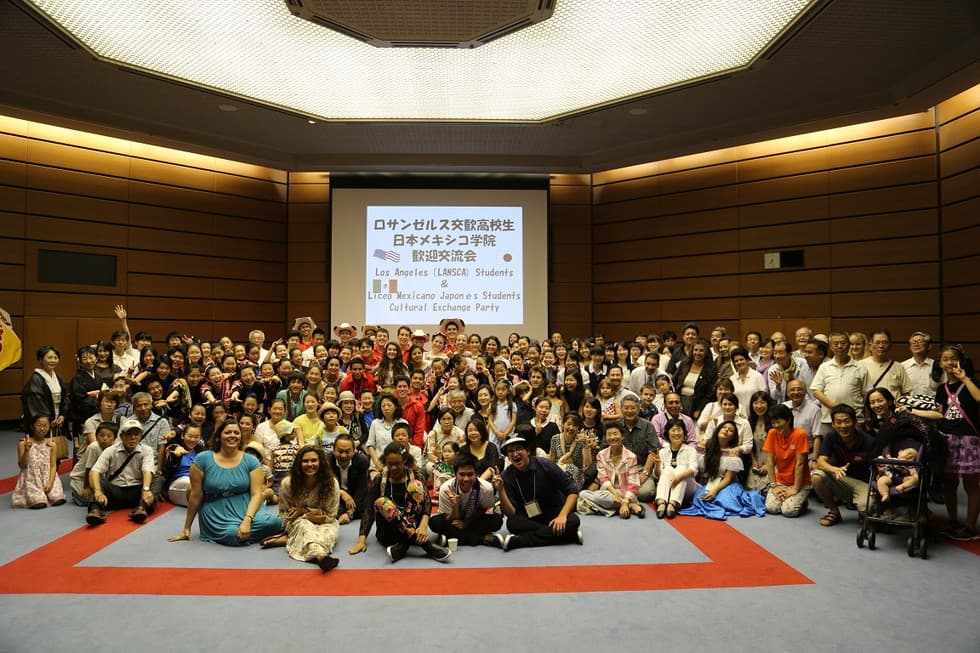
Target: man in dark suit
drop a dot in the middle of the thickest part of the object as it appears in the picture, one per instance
(350, 466)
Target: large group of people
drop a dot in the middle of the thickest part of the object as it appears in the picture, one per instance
(441, 439)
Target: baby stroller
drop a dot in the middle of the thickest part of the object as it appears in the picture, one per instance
(903, 459)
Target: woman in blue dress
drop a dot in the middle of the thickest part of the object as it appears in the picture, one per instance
(226, 493)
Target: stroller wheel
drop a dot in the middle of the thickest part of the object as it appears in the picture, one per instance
(860, 538)
(923, 546)
(872, 536)
(911, 547)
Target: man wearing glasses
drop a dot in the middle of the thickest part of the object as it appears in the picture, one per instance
(538, 498)
(919, 367)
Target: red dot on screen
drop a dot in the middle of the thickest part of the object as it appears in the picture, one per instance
(508, 257)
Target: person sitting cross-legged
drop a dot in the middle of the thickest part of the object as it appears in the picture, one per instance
(538, 499)
(464, 502)
(122, 477)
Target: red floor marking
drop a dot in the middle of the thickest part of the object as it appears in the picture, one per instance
(735, 561)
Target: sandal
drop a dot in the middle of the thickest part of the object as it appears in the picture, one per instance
(831, 519)
(661, 510)
(273, 541)
(671, 511)
(641, 510)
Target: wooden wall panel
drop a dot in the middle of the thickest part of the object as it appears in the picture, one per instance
(570, 257)
(959, 169)
(189, 233)
(308, 244)
(861, 202)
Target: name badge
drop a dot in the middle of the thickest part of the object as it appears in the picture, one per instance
(532, 509)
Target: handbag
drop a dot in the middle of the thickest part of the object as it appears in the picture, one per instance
(59, 442)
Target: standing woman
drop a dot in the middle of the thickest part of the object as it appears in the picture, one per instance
(226, 493)
(308, 500)
(745, 380)
(391, 365)
(859, 345)
(694, 378)
(759, 422)
(959, 421)
(45, 393)
(104, 366)
(766, 359)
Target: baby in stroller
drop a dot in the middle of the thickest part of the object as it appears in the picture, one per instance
(900, 476)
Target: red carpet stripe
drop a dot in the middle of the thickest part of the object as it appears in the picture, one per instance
(735, 561)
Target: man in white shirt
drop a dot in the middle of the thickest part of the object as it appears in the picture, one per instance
(814, 354)
(647, 374)
(806, 413)
(802, 336)
(840, 380)
(464, 503)
(122, 477)
(884, 372)
(919, 366)
(257, 337)
(753, 340)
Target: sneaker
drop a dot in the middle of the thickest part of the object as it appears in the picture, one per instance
(138, 515)
(580, 536)
(396, 551)
(95, 516)
(442, 540)
(437, 552)
(962, 534)
(500, 540)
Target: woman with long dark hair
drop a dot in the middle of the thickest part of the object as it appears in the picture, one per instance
(308, 500)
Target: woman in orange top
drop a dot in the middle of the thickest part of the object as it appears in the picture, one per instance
(787, 464)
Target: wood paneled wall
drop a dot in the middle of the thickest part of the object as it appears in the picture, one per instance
(308, 266)
(193, 236)
(569, 256)
(683, 239)
(959, 139)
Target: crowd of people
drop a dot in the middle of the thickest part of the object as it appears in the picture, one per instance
(436, 440)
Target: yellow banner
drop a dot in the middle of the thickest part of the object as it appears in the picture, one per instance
(10, 348)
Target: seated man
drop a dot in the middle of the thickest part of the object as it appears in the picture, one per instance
(123, 477)
(350, 467)
(463, 505)
(538, 498)
(843, 465)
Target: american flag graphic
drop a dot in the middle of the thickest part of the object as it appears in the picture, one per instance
(385, 255)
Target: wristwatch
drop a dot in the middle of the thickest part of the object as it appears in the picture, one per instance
(146, 488)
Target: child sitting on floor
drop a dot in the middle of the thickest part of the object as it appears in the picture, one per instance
(256, 449)
(81, 490)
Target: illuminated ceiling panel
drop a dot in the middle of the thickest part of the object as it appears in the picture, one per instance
(588, 54)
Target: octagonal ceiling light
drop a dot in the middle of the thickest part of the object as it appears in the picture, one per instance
(588, 54)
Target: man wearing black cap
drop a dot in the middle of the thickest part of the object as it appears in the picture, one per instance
(538, 499)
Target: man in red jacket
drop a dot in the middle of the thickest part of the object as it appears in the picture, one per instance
(413, 411)
(358, 379)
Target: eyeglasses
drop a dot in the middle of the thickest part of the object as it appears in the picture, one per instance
(918, 341)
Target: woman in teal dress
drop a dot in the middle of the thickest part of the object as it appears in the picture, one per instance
(226, 493)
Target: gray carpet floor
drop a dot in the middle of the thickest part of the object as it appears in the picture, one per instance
(858, 599)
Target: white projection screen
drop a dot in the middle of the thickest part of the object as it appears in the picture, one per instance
(414, 256)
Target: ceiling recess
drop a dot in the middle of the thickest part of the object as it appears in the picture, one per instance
(424, 23)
